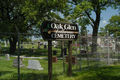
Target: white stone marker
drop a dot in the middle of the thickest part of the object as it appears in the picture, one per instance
(7, 57)
(15, 63)
(34, 64)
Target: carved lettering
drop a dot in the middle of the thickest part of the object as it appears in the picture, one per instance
(62, 26)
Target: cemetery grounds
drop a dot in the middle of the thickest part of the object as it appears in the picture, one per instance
(87, 61)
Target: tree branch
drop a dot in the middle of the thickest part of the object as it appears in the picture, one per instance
(90, 17)
(75, 2)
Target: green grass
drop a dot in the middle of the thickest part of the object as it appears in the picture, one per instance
(104, 73)
(8, 72)
(38, 52)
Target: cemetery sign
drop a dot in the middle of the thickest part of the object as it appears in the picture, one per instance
(59, 31)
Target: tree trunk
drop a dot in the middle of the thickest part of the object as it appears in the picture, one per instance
(94, 40)
(13, 42)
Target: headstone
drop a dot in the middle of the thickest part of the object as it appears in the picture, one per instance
(38, 45)
(5, 44)
(22, 59)
(33, 50)
(21, 47)
(7, 57)
(83, 51)
(25, 45)
(15, 63)
(55, 46)
(54, 59)
(54, 52)
(45, 47)
(73, 59)
(65, 51)
(34, 64)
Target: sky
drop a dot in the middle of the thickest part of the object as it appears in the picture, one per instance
(105, 16)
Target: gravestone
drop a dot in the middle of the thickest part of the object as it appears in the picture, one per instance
(34, 64)
(7, 57)
(21, 47)
(54, 52)
(5, 44)
(54, 59)
(55, 46)
(65, 52)
(38, 45)
(22, 59)
(73, 59)
(15, 63)
(45, 47)
(33, 50)
(25, 45)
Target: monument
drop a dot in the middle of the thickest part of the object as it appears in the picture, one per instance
(15, 63)
(7, 57)
(34, 64)
(38, 45)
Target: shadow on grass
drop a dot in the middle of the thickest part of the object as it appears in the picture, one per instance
(34, 76)
(36, 53)
(103, 73)
(2, 73)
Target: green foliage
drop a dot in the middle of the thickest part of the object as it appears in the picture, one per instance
(102, 32)
(81, 13)
(113, 26)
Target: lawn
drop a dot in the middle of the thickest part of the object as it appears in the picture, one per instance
(8, 72)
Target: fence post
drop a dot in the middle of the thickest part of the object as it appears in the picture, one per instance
(18, 56)
(118, 48)
(108, 46)
(50, 59)
(76, 55)
(63, 56)
(70, 58)
(80, 52)
(87, 51)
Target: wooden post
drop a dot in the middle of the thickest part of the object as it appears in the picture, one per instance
(50, 59)
(63, 56)
(70, 58)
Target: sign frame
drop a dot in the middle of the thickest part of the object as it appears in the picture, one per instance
(52, 30)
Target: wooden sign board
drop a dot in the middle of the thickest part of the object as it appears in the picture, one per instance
(59, 31)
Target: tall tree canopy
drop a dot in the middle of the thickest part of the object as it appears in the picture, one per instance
(26, 16)
(113, 26)
(81, 11)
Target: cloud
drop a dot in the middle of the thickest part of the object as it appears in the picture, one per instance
(104, 22)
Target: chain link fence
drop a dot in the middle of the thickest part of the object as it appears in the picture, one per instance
(28, 58)
(106, 53)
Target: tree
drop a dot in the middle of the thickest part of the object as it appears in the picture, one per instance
(25, 16)
(82, 10)
(11, 18)
(113, 26)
